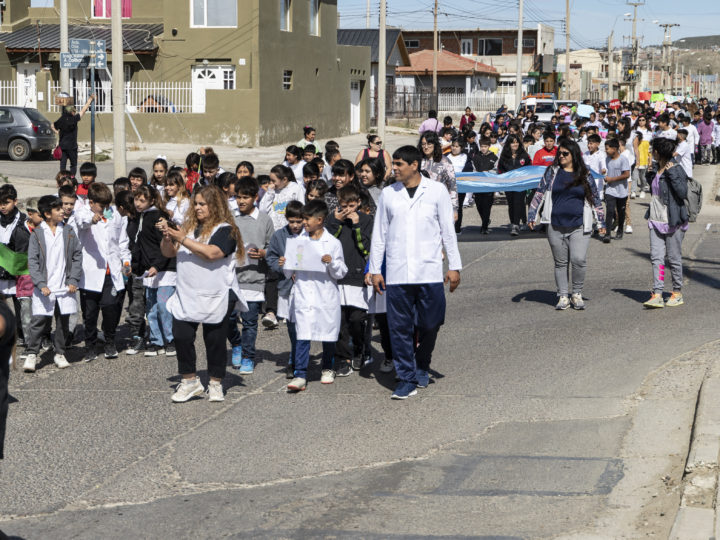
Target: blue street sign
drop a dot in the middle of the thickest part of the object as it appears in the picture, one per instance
(74, 61)
(84, 46)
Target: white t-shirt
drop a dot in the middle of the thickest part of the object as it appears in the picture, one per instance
(615, 167)
(667, 134)
(684, 157)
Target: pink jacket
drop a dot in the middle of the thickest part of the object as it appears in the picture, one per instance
(705, 131)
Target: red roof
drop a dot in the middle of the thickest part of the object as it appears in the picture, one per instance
(421, 63)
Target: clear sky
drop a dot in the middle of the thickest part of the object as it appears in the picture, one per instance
(589, 24)
(590, 20)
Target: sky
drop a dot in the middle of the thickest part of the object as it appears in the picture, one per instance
(589, 25)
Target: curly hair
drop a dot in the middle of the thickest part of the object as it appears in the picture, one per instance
(219, 213)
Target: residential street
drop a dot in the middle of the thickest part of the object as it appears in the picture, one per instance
(539, 423)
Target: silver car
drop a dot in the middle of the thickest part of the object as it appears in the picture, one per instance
(24, 131)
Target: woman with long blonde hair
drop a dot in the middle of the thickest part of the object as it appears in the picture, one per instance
(206, 247)
(177, 198)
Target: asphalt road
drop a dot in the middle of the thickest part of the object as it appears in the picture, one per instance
(529, 429)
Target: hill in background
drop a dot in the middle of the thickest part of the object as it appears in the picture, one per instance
(698, 42)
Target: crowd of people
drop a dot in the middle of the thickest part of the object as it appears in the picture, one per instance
(196, 244)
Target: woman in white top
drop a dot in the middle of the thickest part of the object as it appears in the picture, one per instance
(177, 199)
(461, 163)
(206, 248)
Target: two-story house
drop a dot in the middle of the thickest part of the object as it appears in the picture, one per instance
(259, 70)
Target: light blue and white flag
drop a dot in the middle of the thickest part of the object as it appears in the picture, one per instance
(520, 179)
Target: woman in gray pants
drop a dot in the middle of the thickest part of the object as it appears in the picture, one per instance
(568, 195)
(667, 220)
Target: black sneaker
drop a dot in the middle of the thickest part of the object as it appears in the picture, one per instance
(606, 239)
(290, 371)
(344, 370)
(152, 350)
(110, 350)
(618, 236)
(136, 345)
(90, 355)
(357, 363)
(170, 349)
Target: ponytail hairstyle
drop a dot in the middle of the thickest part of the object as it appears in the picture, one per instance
(283, 172)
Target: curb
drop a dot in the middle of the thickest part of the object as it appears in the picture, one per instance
(696, 517)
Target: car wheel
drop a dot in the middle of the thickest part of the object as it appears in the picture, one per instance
(19, 150)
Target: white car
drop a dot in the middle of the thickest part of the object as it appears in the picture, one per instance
(543, 108)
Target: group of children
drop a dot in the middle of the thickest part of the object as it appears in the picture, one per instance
(97, 244)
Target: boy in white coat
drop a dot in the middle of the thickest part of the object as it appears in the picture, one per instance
(105, 246)
(315, 298)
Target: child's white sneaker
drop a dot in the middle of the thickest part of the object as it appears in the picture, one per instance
(30, 362)
(187, 389)
(60, 361)
(327, 377)
(215, 391)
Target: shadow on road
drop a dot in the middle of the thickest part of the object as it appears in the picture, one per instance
(638, 296)
(541, 297)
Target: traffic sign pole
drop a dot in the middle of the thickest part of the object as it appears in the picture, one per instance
(92, 106)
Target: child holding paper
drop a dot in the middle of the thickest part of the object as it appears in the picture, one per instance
(315, 303)
(256, 229)
(55, 263)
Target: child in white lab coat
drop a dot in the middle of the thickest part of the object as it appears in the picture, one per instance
(315, 299)
(55, 264)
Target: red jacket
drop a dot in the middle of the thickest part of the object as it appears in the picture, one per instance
(464, 120)
(543, 157)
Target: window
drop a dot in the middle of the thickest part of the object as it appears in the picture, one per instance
(412, 43)
(490, 47)
(466, 47)
(314, 17)
(287, 82)
(6, 116)
(214, 13)
(229, 78)
(285, 15)
(102, 9)
(527, 43)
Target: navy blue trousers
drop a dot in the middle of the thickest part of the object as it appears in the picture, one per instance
(415, 314)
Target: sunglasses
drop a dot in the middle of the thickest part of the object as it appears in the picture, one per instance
(379, 143)
(563, 154)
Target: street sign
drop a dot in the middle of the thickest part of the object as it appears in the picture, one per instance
(84, 46)
(74, 61)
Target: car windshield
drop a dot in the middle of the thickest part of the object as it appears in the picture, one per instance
(35, 116)
(544, 108)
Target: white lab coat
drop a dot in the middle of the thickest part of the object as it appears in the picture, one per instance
(411, 234)
(203, 287)
(104, 244)
(55, 266)
(315, 297)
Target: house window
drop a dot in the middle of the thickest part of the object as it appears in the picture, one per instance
(102, 9)
(314, 17)
(527, 43)
(466, 47)
(229, 78)
(490, 47)
(214, 13)
(287, 81)
(286, 15)
(412, 43)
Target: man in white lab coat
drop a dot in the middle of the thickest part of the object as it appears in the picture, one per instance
(413, 223)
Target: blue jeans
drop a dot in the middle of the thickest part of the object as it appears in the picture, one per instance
(159, 319)
(302, 356)
(249, 328)
(415, 314)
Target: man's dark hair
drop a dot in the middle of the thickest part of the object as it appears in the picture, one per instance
(295, 151)
(330, 154)
(310, 149)
(548, 135)
(210, 161)
(121, 184)
(447, 121)
(88, 169)
(682, 132)
(432, 114)
(99, 193)
(193, 158)
(612, 143)
(247, 186)
(594, 138)
(409, 154)
(67, 191)
(294, 210)
(126, 201)
(331, 145)
(47, 203)
(315, 208)
(664, 118)
(138, 172)
(249, 166)
(348, 193)
(8, 193)
(530, 139)
(310, 169)
(486, 142)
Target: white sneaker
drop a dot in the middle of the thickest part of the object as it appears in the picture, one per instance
(628, 229)
(215, 391)
(188, 388)
(642, 194)
(387, 366)
(577, 301)
(60, 361)
(270, 320)
(563, 303)
(327, 377)
(632, 195)
(30, 362)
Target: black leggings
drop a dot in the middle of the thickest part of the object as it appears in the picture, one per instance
(516, 206)
(92, 303)
(612, 204)
(70, 154)
(215, 338)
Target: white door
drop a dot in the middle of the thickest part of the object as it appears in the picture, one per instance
(205, 78)
(354, 107)
(27, 85)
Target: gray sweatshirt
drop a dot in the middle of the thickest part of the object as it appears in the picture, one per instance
(256, 229)
(37, 258)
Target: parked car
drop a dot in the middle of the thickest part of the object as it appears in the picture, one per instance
(24, 131)
(544, 107)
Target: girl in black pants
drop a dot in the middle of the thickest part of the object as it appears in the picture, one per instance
(514, 156)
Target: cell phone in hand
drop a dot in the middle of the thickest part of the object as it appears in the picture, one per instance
(173, 225)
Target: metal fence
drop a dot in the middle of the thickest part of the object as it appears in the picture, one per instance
(8, 93)
(479, 101)
(140, 97)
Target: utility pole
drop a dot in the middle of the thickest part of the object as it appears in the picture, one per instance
(382, 68)
(567, 49)
(611, 83)
(634, 67)
(435, 55)
(667, 43)
(518, 74)
(118, 94)
(367, 17)
(64, 45)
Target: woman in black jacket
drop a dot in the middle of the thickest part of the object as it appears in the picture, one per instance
(514, 156)
(668, 220)
(67, 130)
